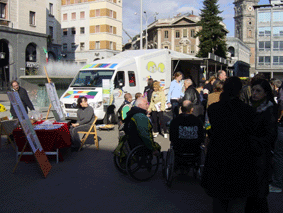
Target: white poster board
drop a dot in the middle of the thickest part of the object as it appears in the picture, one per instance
(54, 100)
(106, 91)
(29, 132)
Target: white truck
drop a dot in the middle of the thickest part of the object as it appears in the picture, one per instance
(104, 82)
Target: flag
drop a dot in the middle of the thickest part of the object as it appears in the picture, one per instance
(46, 54)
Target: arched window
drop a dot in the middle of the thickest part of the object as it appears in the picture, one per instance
(31, 65)
(232, 51)
(31, 52)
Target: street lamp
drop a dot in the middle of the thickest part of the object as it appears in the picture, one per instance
(155, 14)
(141, 28)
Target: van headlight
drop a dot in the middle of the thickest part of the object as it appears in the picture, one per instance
(96, 105)
(62, 104)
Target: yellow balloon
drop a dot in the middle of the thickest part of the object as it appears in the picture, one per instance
(2, 108)
(151, 66)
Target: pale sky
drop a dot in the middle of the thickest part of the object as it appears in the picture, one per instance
(168, 9)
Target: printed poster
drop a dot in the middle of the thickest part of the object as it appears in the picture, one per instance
(54, 100)
(31, 136)
(106, 86)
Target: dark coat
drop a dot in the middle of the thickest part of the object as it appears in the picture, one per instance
(148, 91)
(264, 136)
(186, 133)
(26, 102)
(193, 96)
(229, 170)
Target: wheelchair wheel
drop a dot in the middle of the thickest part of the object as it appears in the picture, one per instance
(170, 167)
(202, 160)
(163, 165)
(120, 164)
(198, 169)
(141, 164)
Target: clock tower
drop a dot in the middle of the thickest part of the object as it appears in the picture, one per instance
(245, 25)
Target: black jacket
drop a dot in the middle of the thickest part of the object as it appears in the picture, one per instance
(192, 95)
(26, 102)
(148, 91)
(186, 133)
(264, 137)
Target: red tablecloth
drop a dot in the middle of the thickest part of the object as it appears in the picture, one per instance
(50, 139)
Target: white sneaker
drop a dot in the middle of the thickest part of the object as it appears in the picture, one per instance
(155, 134)
(165, 135)
(274, 189)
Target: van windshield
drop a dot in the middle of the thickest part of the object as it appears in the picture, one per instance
(91, 78)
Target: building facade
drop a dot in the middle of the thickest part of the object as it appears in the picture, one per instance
(53, 29)
(176, 33)
(269, 39)
(22, 38)
(91, 30)
(239, 57)
(245, 26)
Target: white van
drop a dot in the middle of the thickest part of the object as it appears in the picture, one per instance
(104, 82)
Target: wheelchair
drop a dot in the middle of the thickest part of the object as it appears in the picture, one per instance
(182, 163)
(139, 162)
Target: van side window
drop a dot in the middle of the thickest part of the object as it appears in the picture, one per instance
(132, 78)
(119, 79)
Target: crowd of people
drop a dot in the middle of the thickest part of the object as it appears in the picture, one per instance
(244, 150)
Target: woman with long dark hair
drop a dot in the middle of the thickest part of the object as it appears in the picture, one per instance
(264, 137)
(229, 169)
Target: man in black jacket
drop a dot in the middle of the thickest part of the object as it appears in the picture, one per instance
(221, 76)
(186, 131)
(193, 96)
(24, 98)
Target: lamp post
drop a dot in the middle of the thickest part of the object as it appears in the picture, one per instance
(141, 47)
(155, 14)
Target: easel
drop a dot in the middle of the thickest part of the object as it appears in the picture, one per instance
(31, 136)
(7, 130)
(49, 81)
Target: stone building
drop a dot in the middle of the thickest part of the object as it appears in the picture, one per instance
(91, 29)
(239, 57)
(245, 26)
(53, 29)
(176, 33)
(22, 38)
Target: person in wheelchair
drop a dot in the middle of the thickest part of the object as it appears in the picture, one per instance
(186, 134)
(138, 127)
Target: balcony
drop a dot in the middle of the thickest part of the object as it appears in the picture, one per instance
(4, 22)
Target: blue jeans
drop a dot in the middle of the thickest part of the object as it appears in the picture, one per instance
(277, 176)
(175, 107)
